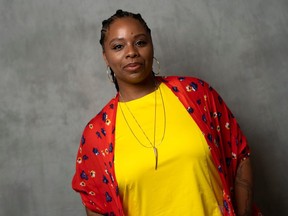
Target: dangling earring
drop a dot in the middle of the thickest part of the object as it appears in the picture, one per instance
(109, 74)
(158, 63)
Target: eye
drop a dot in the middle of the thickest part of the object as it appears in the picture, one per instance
(117, 47)
(141, 43)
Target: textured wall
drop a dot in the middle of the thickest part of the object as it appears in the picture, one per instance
(53, 81)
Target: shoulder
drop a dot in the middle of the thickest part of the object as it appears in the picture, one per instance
(101, 120)
(178, 78)
(187, 82)
(183, 79)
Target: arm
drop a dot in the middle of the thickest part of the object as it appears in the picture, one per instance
(243, 188)
(91, 213)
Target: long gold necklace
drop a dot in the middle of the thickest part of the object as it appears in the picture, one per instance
(153, 144)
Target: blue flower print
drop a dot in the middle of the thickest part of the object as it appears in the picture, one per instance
(83, 175)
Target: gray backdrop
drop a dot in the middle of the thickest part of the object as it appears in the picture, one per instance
(53, 81)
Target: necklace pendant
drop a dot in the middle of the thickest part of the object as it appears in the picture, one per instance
(156, 157)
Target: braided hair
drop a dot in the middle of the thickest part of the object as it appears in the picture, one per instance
(118, 15)
(106, 24)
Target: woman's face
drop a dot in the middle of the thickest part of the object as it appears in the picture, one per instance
(128, 50)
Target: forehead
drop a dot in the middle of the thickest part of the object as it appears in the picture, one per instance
(123, 27)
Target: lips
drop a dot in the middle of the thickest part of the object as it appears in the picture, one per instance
(132, 66)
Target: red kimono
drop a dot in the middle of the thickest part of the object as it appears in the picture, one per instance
(95, 177)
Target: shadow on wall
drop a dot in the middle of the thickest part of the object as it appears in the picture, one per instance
(267, 190)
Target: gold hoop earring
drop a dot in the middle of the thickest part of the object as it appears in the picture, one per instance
(158, 63)
(109, 74)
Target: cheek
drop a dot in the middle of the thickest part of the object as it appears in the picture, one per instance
(149, 54)
(113, 59)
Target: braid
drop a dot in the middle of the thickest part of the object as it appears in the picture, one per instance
(106, 24)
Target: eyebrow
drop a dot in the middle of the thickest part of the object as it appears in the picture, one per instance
(121, 39)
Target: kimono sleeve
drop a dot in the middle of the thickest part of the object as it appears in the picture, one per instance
(88, 176)
(230, 137)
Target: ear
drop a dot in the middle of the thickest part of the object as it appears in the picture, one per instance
(105, 58)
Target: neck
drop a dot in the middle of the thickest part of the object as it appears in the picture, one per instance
(130, 92)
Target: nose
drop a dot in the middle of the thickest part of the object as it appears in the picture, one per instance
(132, 51)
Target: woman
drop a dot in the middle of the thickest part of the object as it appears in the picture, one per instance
(163, 145)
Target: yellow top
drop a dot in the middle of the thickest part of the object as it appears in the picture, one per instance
(186, 181)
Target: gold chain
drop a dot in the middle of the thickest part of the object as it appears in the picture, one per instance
(153, 145)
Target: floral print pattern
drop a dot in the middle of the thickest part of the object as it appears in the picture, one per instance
(95, 179)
